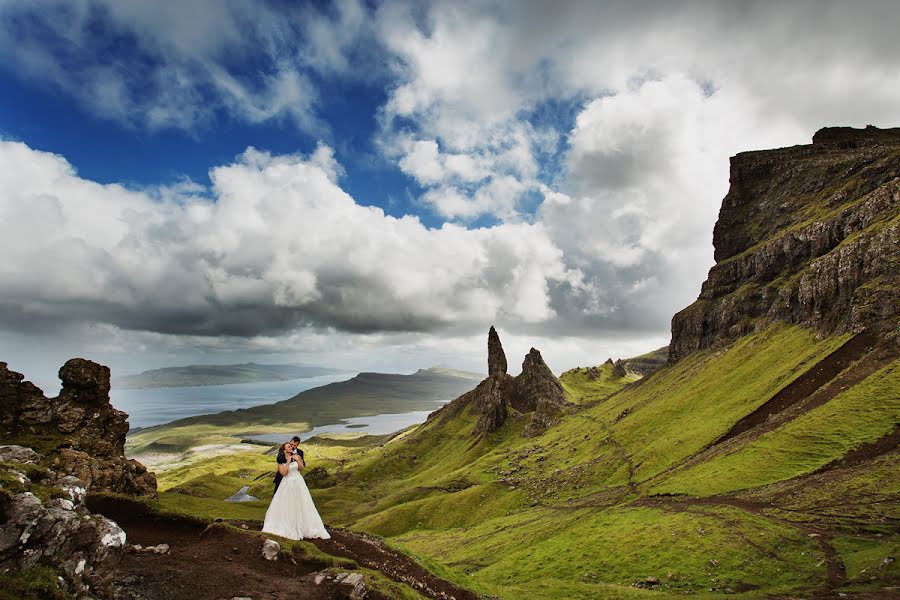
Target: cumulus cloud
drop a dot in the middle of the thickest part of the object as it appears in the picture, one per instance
(278, 245)
(662, 96)
(597, 136)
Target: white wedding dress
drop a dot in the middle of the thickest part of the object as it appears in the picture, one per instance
(292, 513)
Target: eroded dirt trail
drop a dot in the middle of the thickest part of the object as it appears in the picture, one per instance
(213, 563)
(372, 553)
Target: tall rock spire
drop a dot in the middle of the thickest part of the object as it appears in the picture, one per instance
(496, 357)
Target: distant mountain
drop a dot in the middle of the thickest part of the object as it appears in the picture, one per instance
(364, 395)
(196, 375)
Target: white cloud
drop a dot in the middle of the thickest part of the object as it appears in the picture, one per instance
(278, 246)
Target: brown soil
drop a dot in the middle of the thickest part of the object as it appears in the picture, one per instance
(216, 562)
(371, 552)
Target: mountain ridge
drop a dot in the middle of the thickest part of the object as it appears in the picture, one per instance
(202, 375)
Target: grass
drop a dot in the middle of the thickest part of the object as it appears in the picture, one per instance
(861, 414)
(686, 407)
(869, 561)
(563, 515)
(200, 488)
(593, 383)
(36, 583)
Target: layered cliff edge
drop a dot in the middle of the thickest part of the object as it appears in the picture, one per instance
(806, 235)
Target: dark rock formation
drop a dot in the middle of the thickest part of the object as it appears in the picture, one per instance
(619, 369)
(496, 356)
(536, 383)
(80, 441)
(806, 235)
(536, 390)
(546, 415)
(85, 434)
(491, 401)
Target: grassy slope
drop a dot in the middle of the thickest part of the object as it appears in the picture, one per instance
(594, 383)
(560, 515)
(566, 515)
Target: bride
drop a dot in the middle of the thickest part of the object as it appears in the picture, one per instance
(292, 513)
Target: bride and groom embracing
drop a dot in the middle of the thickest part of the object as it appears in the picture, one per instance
(292, 513)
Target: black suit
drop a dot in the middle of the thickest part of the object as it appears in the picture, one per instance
(282, 459)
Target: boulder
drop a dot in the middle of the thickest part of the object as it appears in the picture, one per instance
(18, 454)
(64, 533)
(271, 549)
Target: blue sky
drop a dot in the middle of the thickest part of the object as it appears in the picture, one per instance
(374, 184)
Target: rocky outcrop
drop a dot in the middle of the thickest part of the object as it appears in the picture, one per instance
(806, 235)
(536, 391)
(491, 400)
(58, 529)
(63, 448)
(82, 433)
(536, 383)
(619, 369)
(496, 356)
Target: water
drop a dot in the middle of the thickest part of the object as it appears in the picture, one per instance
(374, 425)
(154, 406)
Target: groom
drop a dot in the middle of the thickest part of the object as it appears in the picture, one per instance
(289, 449)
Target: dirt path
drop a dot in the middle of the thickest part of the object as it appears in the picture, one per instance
(372, 553)
(213, 563)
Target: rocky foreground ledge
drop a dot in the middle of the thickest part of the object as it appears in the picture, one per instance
(55, 452)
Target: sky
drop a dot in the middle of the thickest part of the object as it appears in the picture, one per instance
(372, 185)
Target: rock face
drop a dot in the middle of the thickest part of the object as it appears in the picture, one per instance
(60, 531)
(496, 356)
(536, 383)
(86, 433)
(619, 368)
(80, 441)
(536, 391)
(806, 235)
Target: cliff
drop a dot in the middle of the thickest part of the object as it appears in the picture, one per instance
(805, 235)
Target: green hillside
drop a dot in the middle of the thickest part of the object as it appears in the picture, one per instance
(611, 496)
(640, 486)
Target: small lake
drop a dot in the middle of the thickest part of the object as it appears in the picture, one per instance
(153, 406)
(373, 425)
